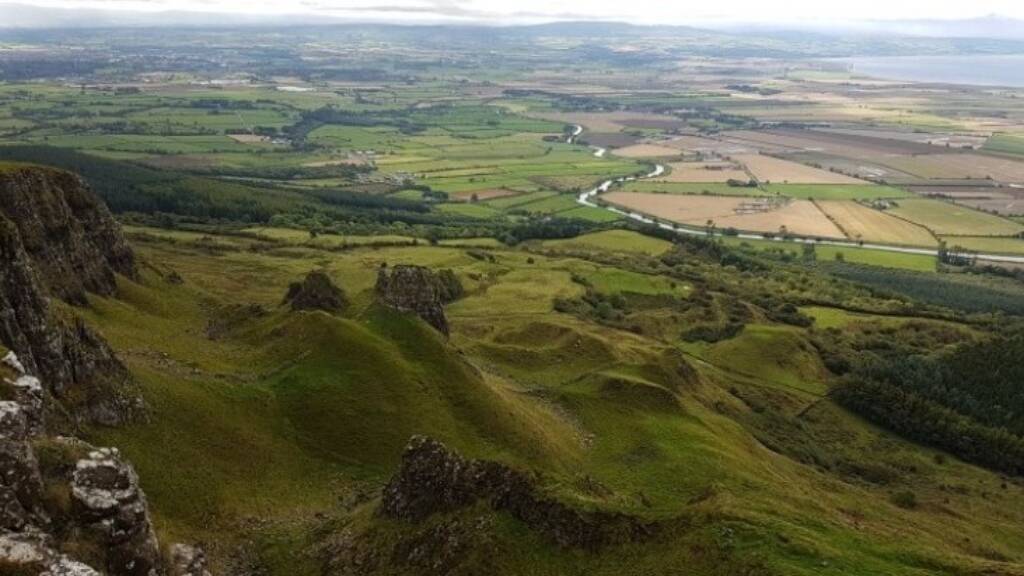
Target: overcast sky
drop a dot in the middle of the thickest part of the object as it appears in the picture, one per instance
(637, 11)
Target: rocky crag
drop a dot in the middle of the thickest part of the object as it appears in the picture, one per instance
(448, 505)
(419, 290)
(435, 480)
(58, 242)
(316, 292)
(58, 493)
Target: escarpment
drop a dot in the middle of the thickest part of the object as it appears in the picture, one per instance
(420, 291)
(58, 241)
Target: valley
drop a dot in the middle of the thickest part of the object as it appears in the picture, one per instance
(578, 298)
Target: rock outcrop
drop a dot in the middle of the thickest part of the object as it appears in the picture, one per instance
(419, 290)
(58, 240)
(104, 513)
(316, 292)
(69, 235)
(433, 480)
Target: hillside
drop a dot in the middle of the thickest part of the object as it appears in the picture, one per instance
(579, 298)
(732, 448)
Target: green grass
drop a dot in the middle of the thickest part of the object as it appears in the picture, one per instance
(854, 254)
(590, 214)
(10, 166)
(288, 413)
(987, 245)
(612, 241)
(836, 191)
(1006, 143)
(946, 218)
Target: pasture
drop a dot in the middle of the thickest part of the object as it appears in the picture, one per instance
(987, 244)
(946, 218)
(853, 254)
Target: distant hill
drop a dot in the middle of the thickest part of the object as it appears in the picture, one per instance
(27, 16)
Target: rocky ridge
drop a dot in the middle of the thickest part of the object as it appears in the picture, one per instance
(434, 480)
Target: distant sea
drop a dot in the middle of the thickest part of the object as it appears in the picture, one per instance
(980, 70)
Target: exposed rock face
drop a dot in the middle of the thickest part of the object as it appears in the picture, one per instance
(57, 239)
(188, 561)
(434, 480)
(113, 513)
(316, 292)
(68, 233)
(420, 291)
(108, 515)
(33, 553)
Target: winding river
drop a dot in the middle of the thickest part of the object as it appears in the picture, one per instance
(587, 199)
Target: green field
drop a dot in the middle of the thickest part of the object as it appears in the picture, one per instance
(945, 218)
(869, 256)
(1005, 143)
(985, 244)
(613, 241)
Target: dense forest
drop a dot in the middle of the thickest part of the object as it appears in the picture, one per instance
(967, 401)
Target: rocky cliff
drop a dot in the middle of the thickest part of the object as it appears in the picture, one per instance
(419, 290)
(66, 231)
(58, 493)
(58, 241)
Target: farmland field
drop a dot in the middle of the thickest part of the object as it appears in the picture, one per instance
(797, 216)
(773, 170)
(987, 245)
(861, 222)
(836, 191)
(703, 172)
(646, 151)
(854, 254)
(945, 218)
(716, 188)
(1005, 143)
(961, 166)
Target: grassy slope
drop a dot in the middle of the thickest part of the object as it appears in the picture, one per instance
(288, 413)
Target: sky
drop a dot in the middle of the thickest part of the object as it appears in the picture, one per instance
(529, 11)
